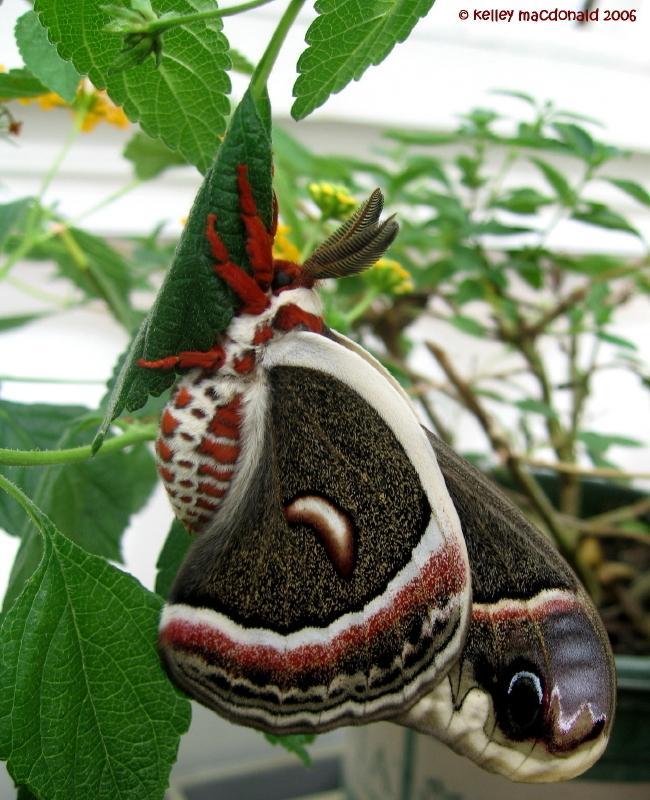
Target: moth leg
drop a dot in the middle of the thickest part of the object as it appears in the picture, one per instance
(259, 242)
(291, 317)
(254, 299)
(189, 359)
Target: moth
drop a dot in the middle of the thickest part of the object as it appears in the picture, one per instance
(347, 566)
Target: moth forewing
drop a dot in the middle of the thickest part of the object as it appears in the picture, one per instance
(345, 596)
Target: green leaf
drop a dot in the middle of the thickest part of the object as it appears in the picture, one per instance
(517, 95)
(150, 156)
(557, 181)
(193, 306)
(632, 188)
(467, 325)
(20, 83)
(91, 502)
(590, 264)
(96, 268)
(619, 341)
(85, 707)
(29, 426)
(536, 407)
(183, 101)
(599, 443)
(40, 56)
(469, 289)
(493, 227)
(577, 140)
(240, 63)
(171, 556)
(18, 320)
(419, 166)
(523, 201)
(347, 38)
(470, 171)
(10, 214)
(603, 217)
(294, 743)
(425, 138)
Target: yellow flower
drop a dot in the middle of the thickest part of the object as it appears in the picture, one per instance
(100, 107)
(46, 101)
(335, 202)
(103, 109)
(390, 276)
(283, 247)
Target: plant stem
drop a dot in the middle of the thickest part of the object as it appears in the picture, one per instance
(111, 198)
(65, 381)
(362, 306)
(39, 458)
(265, 64)
(165, 24)
(570, 468)
(13, 491)
(29, 240)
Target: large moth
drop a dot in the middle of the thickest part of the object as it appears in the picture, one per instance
(338, 544)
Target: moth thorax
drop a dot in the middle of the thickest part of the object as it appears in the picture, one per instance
(199, 445)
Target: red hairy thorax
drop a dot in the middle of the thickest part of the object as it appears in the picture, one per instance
(268, 278)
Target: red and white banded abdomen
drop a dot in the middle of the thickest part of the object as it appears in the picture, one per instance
(199, 444)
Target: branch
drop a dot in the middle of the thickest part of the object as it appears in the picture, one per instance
(564, 539)
(576, 469)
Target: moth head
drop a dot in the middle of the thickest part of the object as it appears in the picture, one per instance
(353, 247)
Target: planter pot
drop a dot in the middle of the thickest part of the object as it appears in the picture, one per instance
(388, 762)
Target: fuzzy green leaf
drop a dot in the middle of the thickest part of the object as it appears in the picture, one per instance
(20, 83)
(40, 56)
(150, 156)
(345, 39)
(85, 707)
(171, 556)
(193, 306)
(600, 442)
(183, 101)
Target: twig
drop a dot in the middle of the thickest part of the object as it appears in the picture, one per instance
(576, 469)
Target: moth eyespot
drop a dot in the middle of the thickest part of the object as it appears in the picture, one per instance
(524, 700)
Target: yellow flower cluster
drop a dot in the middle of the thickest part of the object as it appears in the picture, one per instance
(283, 247)
(335, 202)
(390, 276)
(100, 108)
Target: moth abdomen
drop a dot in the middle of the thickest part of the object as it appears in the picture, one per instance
(198, 447)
